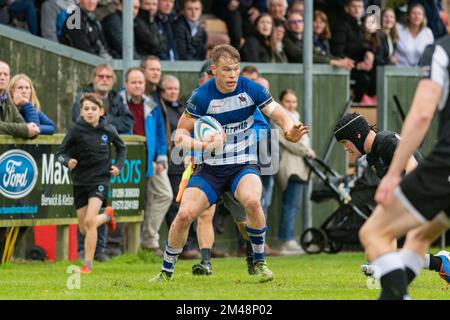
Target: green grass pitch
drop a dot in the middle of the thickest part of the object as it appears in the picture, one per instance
(316, 277)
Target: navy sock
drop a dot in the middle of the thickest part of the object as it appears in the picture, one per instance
(435, 263)
(206, 255)
(394, 285)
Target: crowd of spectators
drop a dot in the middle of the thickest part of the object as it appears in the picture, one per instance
(268, 31)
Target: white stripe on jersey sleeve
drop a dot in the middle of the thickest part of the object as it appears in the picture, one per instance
(439, 73)
(439, 65)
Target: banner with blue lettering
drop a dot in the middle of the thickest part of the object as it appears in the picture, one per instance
(33, 185)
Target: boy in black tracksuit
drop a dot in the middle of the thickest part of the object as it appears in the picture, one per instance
(86, 150)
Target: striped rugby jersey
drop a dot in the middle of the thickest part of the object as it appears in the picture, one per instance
(235, 112)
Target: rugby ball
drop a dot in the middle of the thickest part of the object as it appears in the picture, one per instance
(206, 126)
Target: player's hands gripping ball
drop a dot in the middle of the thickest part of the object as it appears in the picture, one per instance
(210, 131)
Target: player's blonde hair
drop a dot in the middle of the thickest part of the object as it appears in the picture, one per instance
(225, 51)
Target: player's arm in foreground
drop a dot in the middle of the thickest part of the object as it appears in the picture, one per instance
(413, 132)
(292, 131)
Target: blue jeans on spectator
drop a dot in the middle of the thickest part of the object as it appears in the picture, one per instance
(267, 183)
(292, 198)
(27, 8)
(101, 239)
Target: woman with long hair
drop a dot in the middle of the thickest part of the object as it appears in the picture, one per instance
(23, 94)
(413, 37)
(321, 32)
(388, 22)
(257, 47)
(291, 177)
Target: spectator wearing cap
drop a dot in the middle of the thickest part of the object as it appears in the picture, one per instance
(190, 35)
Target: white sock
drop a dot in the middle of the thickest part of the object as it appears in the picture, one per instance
(412, 260)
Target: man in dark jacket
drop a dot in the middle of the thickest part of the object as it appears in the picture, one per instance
(190, 36)
(165, 21)
(88, 36)
(112, 26)
(117, 113)
(146, 33)
(11, 122)
(348, 41)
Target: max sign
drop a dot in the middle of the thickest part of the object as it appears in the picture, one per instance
(18, 174)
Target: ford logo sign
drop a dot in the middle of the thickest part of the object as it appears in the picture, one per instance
(18, 174)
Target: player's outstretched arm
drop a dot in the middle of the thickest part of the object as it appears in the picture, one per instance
(292, 131)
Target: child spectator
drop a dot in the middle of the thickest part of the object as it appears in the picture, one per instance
(23, 94)
(86, 151)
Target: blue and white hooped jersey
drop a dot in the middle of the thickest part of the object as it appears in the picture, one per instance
(235, 112)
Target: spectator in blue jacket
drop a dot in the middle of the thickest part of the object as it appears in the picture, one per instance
(23, 94)
(149, 122)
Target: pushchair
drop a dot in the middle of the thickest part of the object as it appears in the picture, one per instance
(355, 195)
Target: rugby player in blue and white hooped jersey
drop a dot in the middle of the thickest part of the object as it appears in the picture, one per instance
(231, 100)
